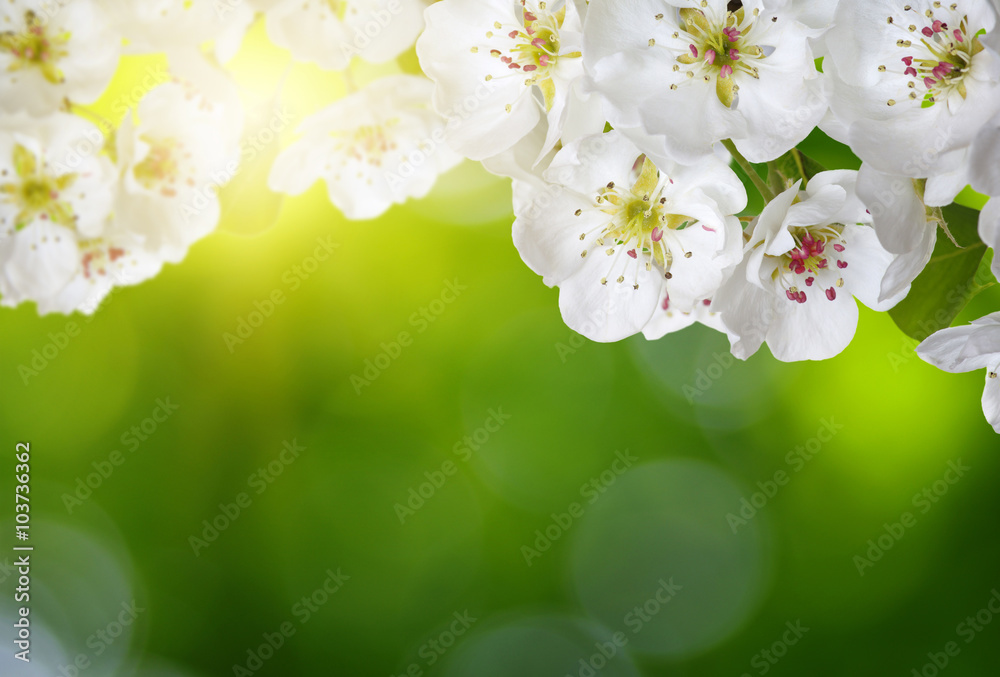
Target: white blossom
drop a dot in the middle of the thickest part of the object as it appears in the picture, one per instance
(696, 73)
(59, 245)
(172, 158)
(376, 147)
(53, 51)
(516, 62)
(618, 234)
(914, 82)
(810, 253)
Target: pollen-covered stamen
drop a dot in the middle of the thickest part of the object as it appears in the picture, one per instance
(938, 47)
(816, 259)
(529, 48)
(720, 47)
(36, 192)
(637, 220)
(34, 46)
(96, 257)
(167, 166)
(368, 144)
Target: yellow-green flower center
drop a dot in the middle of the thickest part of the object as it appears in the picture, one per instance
(35, 47)
(640, 223)
(531, 47)
(161, 166)
(35, 193)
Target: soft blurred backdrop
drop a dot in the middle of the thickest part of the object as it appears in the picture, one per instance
(489, 495)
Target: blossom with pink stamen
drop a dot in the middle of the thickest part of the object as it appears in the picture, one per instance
(520, 61)
(912, 89)
(773, 295)
(620, 235)
(736, 73)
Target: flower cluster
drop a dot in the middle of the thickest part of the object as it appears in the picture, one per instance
(631, 132)
(88, 204)
(617, 122)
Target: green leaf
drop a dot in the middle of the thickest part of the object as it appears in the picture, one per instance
(950, 280)
(829, 153)
(971, 198)
(791, 167)
(984, 275)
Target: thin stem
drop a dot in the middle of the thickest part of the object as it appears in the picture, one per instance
(759, 183)
(802, 170)
(774, 177)
(106, 125)
(352, 86)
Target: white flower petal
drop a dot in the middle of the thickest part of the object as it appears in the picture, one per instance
(989, 230)
(377, 147)
(491, 79)
(868, 264)
(961, 349)
(611, 312)
(991, 402)
(813, 331)
(613, 231)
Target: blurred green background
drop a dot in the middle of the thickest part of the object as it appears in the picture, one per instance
(561, 551)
